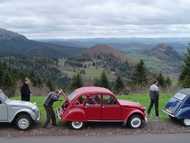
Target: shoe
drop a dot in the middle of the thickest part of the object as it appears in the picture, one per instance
(157, 118)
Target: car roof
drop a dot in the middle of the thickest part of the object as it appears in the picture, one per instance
(185, 91)
(92, 90)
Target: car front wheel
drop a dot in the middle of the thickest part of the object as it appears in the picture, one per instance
(77, 125)
(23, 122)
(135, 121)
(186, 122)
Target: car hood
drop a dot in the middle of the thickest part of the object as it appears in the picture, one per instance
(130, 104)
(21, 103)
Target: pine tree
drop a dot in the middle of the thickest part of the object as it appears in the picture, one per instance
(161, 80)
(97, 82)
(76, 81)
(119, 85)
(104, 80)
(50, 85)
(140, 75)
(184, 78)
(168, 82)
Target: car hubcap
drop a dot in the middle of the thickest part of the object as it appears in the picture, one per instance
(23, 123)
(77, 125)
(136, 122)
(187, 122)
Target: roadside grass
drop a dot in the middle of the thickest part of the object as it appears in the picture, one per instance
(141, 98)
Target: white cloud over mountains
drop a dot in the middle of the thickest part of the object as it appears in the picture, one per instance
(96, 18)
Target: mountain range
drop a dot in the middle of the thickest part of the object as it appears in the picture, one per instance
(14, 44)
(159, 54)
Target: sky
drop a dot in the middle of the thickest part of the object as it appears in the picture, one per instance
(50, 19)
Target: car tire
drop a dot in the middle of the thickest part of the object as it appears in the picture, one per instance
(135, 121)
(23, 122)
(77, 125)
(186, 122)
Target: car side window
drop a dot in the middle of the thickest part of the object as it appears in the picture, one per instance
(109, 100)
(93, 100)
(81, 100)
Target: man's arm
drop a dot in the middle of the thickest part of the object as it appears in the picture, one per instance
(55, 97)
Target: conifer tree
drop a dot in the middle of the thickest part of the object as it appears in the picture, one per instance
(76, 81)
(119, 85)
(161, 80)
(140, 74)
(184, 78)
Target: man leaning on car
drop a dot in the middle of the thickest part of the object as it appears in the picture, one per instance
(48, 105)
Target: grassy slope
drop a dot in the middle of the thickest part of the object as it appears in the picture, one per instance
(141, 98)
(91, 73)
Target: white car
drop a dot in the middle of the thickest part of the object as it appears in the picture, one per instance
(22, 114)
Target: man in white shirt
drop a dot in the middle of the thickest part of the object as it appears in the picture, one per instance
(154, 98)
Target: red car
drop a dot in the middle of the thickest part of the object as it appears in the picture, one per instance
(97, 104)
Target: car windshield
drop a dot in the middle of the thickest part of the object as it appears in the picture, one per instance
(72, 96)
(3, 97)
(180, 96)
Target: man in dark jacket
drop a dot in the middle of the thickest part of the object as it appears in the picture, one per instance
(154, 98)
(48, 105)
(25, 91)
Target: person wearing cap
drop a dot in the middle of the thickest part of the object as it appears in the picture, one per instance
(25, 90)
(154, 98)
(48, 105)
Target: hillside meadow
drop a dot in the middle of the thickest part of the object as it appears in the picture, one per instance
(141, 98)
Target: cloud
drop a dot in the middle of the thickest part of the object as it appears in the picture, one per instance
(96, 18)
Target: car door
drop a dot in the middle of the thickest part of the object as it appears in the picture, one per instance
(93, 107)
(186, 106)
(3, 111)
(110, 108)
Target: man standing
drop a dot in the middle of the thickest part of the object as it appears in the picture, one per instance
(25, 90)
(154, 98)
(48, 105)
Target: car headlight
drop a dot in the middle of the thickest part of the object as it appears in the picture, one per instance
(34, 109)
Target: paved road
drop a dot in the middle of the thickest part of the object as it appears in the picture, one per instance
(159, 138)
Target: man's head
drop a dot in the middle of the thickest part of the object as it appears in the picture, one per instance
(26, 80)
(156, 82)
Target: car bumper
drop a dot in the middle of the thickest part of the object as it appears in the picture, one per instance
(168, 113)
(58, 113)
(37, 116)
(146, 119)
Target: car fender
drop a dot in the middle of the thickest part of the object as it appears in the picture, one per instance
(183, 113)
(75, 114)
(12, 115)
(136, 111)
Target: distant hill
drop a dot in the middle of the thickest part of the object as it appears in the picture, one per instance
(159, 54)
(9, 35)
(165, 52)
(13, 44)
(106, 51)
(129, 45)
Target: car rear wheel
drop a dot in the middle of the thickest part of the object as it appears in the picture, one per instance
(77, 125)
(186, 122)
(135, 121)
(23, 122)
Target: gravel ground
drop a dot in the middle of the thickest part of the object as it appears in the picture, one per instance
(97, 129)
